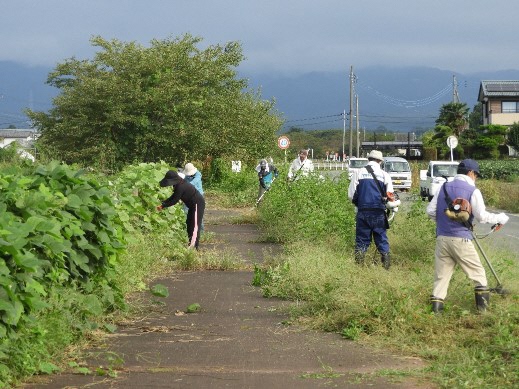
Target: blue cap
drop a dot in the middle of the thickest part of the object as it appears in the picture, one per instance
(469, 165)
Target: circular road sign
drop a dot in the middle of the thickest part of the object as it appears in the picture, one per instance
(452, 142)
(283, 142)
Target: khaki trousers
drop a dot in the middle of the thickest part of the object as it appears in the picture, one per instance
(449, 252)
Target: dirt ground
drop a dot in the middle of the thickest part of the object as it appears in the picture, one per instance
(238, 338)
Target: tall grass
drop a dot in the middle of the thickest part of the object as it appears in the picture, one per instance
(391, 309)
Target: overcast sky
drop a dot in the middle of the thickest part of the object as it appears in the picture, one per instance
(290, 36)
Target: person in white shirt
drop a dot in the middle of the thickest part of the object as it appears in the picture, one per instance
(454, 238)
(370, 190)
(301, 166)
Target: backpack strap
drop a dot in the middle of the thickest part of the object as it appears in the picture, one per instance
(370, 170)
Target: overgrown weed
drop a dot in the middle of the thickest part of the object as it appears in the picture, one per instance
(391, 309)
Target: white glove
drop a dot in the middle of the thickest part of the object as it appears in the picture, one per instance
(502, 218)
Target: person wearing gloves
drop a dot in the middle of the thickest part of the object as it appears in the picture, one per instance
(371, 190)
(183, 190)
(301, 166)
(194, 177)
(266, 175)
(454, 237)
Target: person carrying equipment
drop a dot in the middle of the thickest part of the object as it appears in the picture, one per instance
(454, 234)
(266, 175)
(371, 190)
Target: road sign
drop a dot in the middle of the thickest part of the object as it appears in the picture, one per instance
(283, 142)
(452, 142)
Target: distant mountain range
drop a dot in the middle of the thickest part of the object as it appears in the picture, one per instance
(396, 99)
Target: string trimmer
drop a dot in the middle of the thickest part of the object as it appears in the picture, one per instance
(499, 289)
(266, 190)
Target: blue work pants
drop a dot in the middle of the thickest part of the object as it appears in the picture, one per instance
(371, 224)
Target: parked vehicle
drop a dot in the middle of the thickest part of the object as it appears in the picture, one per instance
(355, 164)
(400, 172)
(432, 178)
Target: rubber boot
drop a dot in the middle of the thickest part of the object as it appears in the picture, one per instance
(359, 257)
(386, 260)
(482, 298)
(437, 304)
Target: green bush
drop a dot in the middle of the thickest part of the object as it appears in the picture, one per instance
(308, 209)
(238, 188)
(57, 229)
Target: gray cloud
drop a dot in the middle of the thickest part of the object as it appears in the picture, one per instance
(293, 36)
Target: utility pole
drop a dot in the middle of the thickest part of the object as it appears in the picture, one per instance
(455, 94)
(357, 124)
(351, 110)
(343, 133)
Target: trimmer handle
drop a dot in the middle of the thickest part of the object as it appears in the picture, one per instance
(496, 227)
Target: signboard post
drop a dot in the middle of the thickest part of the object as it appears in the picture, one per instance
(452, 142)
(283, 143)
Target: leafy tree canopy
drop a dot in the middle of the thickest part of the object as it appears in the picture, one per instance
(455, 116)
(170, 101)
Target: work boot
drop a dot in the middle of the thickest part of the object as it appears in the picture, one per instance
(437, 304)
(386, 261)
(359, 257)
(482, 298)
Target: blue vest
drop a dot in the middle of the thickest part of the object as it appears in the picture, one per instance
(444, 225)
(367, 195)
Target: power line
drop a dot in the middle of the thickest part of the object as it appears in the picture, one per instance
(314, 123)
(313, 118)
(407, 103)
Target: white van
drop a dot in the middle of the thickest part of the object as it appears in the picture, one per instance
(355, 164)
(400, 172)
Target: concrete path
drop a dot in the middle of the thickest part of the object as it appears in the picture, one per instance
(238, 339)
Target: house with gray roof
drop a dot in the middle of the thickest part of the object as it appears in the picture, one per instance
(500, 100)
(25, 137)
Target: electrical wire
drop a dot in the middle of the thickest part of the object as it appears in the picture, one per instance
(406, 103)
(313, 118)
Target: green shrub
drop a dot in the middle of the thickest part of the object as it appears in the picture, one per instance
(238, 188)
(308, 209)
(58, 228)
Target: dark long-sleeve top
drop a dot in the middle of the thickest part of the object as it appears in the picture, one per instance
(187, 193)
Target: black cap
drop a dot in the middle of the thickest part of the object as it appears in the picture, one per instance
(170, 179)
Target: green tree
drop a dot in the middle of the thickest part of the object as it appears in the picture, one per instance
(488, 139)
(170, 101)
(513, 136)
(476, 116)
(453, 120)
(455, 116)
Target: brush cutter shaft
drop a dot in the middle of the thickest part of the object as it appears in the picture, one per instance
(486, 259)
(266, 190)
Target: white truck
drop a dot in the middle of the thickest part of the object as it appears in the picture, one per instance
(400, 172)
(432, 178)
